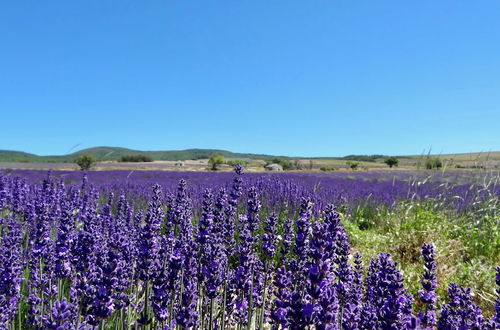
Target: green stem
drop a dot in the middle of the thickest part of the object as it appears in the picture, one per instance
(41, 291)
(121, 318)
(146, 301)
(250, 304)
(19, 317)
(136, 299)
(261, 321)
(224, 307)
(201, 308)
(210, 325)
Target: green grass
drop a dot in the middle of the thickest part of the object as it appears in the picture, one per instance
(466, 246)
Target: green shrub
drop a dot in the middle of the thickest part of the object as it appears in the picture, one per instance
(352, 165)
(364, 158)
(85, 162)
(234, 162)
(327, 168)
(433, 163)
(285, 163)
(135, 159)
(467, 246)
(215, 161)
(391, 161)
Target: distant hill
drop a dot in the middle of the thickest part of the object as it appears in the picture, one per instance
(114, 154)
(471, 160)
(467, 160)
(17, 156)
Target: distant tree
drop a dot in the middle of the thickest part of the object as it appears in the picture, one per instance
(364, 158)
(428, 163)
(352, 165)
(234, 162)
(391, 161)
(135, 159)
(433, 162)
(311, 164)
(215, 161)
(85, 162)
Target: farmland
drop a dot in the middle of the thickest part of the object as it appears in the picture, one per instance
(168, 249)
(108, 158)
(250, 165)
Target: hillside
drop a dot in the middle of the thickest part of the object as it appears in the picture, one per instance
(103, 154)
(17, 156)
(490, 160)
(114, 154)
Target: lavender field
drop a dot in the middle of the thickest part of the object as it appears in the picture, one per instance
(197, 250)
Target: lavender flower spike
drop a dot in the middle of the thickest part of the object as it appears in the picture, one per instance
(428, 295)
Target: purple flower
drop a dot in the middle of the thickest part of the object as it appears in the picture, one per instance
(253, 208)
(388, 295)
(231, 208)
(351, 317)
(428, 295)
(461, 312)
(64, 242)
(269, 238)
(205, 224)
(149, 240)
(61, 316)
(11, 266)
(287, 239)
(303, 229)
(4, 192)
(496, 318)
(282, 283)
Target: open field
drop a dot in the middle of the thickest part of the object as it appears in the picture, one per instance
(157, 165)
(250, 165)
(119, 248)
(188, 165)
(197, 159)
(487, 160)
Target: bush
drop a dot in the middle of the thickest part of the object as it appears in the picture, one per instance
(85, 162)
(234, 162)
(215, 161)
(327, 168)
(364, 158)
(352, 165)
(433, 162)
(285, 163)
(391, 161)
(135, 159)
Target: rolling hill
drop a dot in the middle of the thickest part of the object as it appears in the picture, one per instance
(114, 154)
(102, 154)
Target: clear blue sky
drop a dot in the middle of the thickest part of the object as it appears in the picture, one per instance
(309, 78)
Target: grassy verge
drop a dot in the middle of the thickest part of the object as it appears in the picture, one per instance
(468, 247)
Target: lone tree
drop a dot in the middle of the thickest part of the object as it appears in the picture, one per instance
(215, 161)
(85, 162)
(135, 159)
(391, 161)
(433, 162)
(352, 165)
